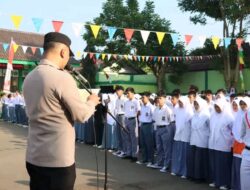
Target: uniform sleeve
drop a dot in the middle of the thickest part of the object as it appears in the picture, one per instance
(138, 106)
(243, 129)
(68, 92)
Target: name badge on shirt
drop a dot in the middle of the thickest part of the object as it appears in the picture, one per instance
(147, 114)
(132, 108)
(121, 106)
(163, 118)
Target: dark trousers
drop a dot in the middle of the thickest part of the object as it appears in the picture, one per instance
(45, 178)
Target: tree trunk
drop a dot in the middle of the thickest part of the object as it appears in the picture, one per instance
(160, 78)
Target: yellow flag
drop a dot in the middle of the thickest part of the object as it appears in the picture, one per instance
(216, 41)
(95, 29)
(143, 58)
(15, 46)
(16, 21)
(160, 36)
(125, 56)
(78, 54)
(103, 56)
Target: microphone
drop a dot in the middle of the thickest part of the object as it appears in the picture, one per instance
(68, 67)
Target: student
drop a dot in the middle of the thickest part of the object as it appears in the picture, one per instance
(162, 120)
(120, 115)
(146, 130)
(132, 110)
(238, 145)
(183, 115)
(245, 165)
(209, 99)
(220, 144)
(11, 108)
(198, 165)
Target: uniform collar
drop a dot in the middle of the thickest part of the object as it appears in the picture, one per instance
(50, 63)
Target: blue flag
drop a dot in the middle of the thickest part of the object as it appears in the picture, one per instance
(37, 23)
(111, 31)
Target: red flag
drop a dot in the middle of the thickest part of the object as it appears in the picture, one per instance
(7, 78)
(91, 55)
(128, 34)
(239, 42)
(57, 25)
(33, 49)
(188, 39)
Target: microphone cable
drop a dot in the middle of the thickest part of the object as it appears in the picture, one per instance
(75, 73)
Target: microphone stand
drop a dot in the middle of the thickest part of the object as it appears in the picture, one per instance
(82, 81)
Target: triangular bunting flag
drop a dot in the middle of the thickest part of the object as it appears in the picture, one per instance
(170, 59)
(143, 58)
(103, 56)
(115, 56)
(15, 46)
(5, 47)
(125, 56)
(160, 36)
(239, 42)
(57, 25)
(109, 56)
(227, 42)
(91, 55)
(79, 54)
(85, 55)
(128, 34)
(37, 23)
(111, 32)
(175, 38)
(166, 58)
(216, 41)
(145, 35)
(77, 27)
(130, 57)
(202, 40)
(151, 58)
(177, 59)
(159, 59)
(41, 50)
(33, 49)
(188, 39)
(139, 58)
(147, 57)
(134, 58)
(95, 29)
(97, 55)
(174, 58)
(16, 21)
(24, 48)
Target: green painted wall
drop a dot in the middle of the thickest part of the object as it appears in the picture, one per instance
(213, 81)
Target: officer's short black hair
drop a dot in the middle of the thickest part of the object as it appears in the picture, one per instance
(118, 87)
(130, 89)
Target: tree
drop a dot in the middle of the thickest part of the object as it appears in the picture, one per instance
(232, 13)
(115, 13)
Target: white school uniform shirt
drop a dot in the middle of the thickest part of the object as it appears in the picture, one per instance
(221, 138)
(200, 125)
(132, 107)
(120, 105)
(245, 135)
(183, 120)
(11, 102)
(4, 100)
(17, 100)
(147, 111)
(22, 102)
(161, 116)
(172, 113)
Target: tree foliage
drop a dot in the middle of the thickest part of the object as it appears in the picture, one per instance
(128, 15)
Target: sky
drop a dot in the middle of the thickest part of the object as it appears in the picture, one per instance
(75, 11)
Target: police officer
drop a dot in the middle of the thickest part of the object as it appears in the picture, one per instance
(53, 104)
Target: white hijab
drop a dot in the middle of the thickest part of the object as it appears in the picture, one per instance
(184, 114)
(238, 122)
(201, 115)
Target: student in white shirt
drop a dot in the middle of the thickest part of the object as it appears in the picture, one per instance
(11, 108)
(220, 145)
(245, 165)
(198, 164)
(120, 116)
(162, 122)
(238, 145)
(132, 110)
(183, 115)
(146, 130)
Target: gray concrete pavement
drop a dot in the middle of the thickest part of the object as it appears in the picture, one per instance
(123, 175)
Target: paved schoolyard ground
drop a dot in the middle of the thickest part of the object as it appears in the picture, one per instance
(123, 175)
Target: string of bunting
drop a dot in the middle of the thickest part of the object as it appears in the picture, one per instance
(128, 32)
(109, 56)
(146, 58)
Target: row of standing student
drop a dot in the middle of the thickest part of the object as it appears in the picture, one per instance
(193, 137)
(13, 109)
